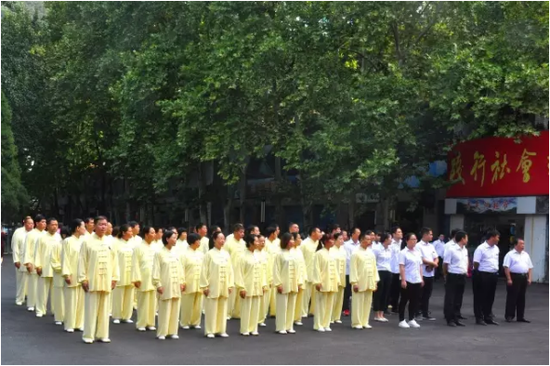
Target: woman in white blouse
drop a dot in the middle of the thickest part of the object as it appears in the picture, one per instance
(410, 268)
(383, 264)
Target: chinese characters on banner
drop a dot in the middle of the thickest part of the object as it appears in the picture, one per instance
(497, 166)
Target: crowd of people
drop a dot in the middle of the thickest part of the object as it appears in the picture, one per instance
(93, 272)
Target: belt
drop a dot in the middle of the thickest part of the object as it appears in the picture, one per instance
(457, 274)
(519, 274)
(489, 273)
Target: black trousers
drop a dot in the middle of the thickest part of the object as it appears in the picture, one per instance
(425, 294)
(382, 294)
(347, 294)
(515, 296)
(487, 288)
(454, 292)
(395, 290)
(476, 289)
(409, 295)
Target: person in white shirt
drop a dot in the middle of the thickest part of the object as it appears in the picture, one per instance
(485, 278)
(350, 246)
(455, 269)
(18, 243)
(376, 243)
(383, 259)
(431, 263)
(518, 269)
(395, 288)
(451, 242)
(439, 246)
(410, 269)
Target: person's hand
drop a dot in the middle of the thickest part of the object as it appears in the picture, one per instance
(113, 285)
(206, 292)
(509, 282)
(319, 287)
(29, 268)
(265, 289)
(299, 287)
(422, 283)
(436, 265)
(280, 289)
(230, 290)
(375, 288)
(68, 280)
(17, 265)
(403, 284)
(39, 271)
(137, 284)
(85, 286)
(355, 288)
(160, 290)
(182, 287)
(529, 282)
(242, 294)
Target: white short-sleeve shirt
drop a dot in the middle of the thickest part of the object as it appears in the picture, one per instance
(487, 257)
(395, 250)
(457, 259)
(412, 261)
(383, 258)
(428, 252)
(517, 262)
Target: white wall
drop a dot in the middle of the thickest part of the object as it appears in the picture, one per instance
(536, 244)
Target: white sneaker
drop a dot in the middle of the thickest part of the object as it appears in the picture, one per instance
(378, 320)
(255, 334)
(38, 315)
(141, 329)
(368, 326)
(338, 321)
(174, 336)
(224, 335)
(87, 341)
(31, 308)
(58, 323)
(384, 320)
(197, 327)
(210, 336)
(105, 340)
(151, 328)
(291, 331)
(282, 332)
(328, 330)
(228, 318)
(358, 327)
(298, 323)
(403, 324)
(18, 303)
(245, 334)
(262, 325)
(79, 329)
(161, 338)
(69, 330)
(185, 327)
(116, 321)
(414, 324)
(322, 330)
(128, 321)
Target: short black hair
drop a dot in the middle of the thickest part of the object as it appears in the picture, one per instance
(249, 240)
(123, 228)
(49, 220)
(213, 229)
(394, 229)
(39, 218)
(213, 238)
(88, 219)
(75, 224)
(199, 226)
(460, 235)
(159, 229)
(181, 230)
(133, 224)
(250, 229)
(491, 233)
(384, 236)
(425, 230)
(193, 238)
(99, 218)
(167, 235)
(270, 230)
(312, 230)
(238, 227)
(408, 236)
(145, 230)
(516, 241)
(453, 233)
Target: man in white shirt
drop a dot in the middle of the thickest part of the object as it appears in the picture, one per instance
(17, 244)
(518, 269)
(350, 246)
(430, 262)
(439, 246)
(395, 289)
(451, 242)
(455, 269)
(485, 278)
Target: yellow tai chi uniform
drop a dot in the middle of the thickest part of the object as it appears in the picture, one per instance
(17, 245)
(325, 273)
(97, 265)
(362, 273)
(28, 261)
(236, 249)
(43, 261)
(217, 277)
(168, 274)
(267, 268)
(58, 297)
(273, 248)
(73, 293)
(308, 248)
(142, 269)
(250, 277)
(123, 294)
(339, 254)
(302, 270)
(286, 273)
(192, 298)
(205, 245)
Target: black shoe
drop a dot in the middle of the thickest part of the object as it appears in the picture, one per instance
(491, 321)
(480, 322)
(460, 324)
(509, 320)
(451, 324)
(523, 321)
(462, 317)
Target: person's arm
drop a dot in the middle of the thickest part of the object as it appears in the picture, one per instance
(477, 258)
(530, 276)
(403, 277)
(508, 276)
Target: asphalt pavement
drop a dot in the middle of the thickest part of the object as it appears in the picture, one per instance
(30, 340)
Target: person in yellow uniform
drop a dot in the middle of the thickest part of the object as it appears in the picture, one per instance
(123, 294)
(326, 281)
(309, 247)
(273, 247)
(89, 223)
(168, 279)
(251, 284)
(363, 277)
(44, 268)
(236, 247)
(192, 298)
(58, 298)
(17, 245)
(73, 293)
(217, 284)
(29, 250)
(182, 244)
(267, 268)
(303, 272)
(142, 269)
(287, 281)
(202, 231)
(340, 255)
(98, 274)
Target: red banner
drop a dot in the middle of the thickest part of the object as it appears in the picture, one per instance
(497, 166)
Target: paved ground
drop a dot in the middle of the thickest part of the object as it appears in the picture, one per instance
(29, 340)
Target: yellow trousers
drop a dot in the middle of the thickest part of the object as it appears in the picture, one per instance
(58, 303)
(323, 309)
(191, 307)
(96, 315)
(74, 307)
(309, 295)
(360, 308)
(20, 286)
(298, 307)
(338, 304)
(45, 286)
(123, 302)
(146, 308)
(273, 301)
(215, 318)
(250, 313)
(264, 305)
(32, 284)
(169, 311)
(236, 313)
(286, 304)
